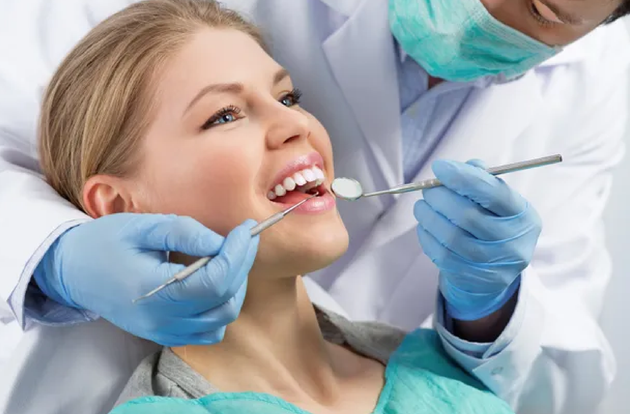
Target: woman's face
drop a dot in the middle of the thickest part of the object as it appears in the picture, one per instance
(228, 140)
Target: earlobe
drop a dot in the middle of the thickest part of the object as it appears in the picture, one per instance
(104, 195)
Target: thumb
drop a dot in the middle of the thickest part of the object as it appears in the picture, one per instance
(478, 163)
(174, 233)
(224, 275)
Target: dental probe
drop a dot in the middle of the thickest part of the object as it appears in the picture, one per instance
(350, 189)
(256, 230)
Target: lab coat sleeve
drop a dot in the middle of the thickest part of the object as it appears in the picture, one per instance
(32, 217)
(34, 37)
(553, 357)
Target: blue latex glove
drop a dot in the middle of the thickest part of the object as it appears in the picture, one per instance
(480, 233)
(104, 264)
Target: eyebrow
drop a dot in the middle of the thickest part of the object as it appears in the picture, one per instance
(564, 16)
(280, 75)
(233, 88)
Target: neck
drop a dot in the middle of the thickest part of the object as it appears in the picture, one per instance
(276, 340)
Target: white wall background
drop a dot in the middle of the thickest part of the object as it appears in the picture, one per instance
(616, 311)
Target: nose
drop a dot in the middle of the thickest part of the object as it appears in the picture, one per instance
(286, 124)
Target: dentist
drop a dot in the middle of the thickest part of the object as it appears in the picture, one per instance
(401, 85)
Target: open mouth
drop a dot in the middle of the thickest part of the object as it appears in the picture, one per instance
(298, 186)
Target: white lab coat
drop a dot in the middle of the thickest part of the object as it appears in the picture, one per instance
(341, 54)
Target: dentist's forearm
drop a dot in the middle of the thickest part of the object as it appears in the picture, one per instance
(488, 328)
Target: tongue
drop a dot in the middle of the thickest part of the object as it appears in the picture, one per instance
(292, 197)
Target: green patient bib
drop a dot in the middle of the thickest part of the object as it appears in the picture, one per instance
(419, 379)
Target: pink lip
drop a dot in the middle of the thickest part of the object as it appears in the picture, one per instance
(298, 164)
(324, 202)
(317, 205)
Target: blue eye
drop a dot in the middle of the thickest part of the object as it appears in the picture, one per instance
(224, 119)
(224, 116)
(292, 98)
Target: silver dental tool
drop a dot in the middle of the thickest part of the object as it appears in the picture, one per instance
(350, 189)
(256, 230)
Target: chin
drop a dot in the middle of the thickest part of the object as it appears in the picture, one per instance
(314, 248)
(314, 258)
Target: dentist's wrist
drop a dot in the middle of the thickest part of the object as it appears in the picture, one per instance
(472, 307)
(489, 327)
(44, 278)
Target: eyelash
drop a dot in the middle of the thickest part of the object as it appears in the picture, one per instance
(540, 19)
(228, 110)
(295, 95)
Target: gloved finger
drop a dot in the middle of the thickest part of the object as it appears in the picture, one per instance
(208, 338)
(446, 232)
(469, 215)
(485, 264)
(467, 275)
(477, 163)
(248, 261)
(433, 249)
(207, 321)
(203, 338)
(181, 302)
(481, 187)
(220, 278)
(457, 239)
(174, 234)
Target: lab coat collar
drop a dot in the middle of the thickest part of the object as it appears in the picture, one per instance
(570, 54)
(597, 40)
(368, 79)
(345, 7)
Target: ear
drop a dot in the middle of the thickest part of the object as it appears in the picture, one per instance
(105, 194)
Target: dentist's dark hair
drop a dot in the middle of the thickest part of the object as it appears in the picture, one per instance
(622, 10)
(99, 102)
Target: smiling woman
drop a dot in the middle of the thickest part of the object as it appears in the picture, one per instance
(175, 107)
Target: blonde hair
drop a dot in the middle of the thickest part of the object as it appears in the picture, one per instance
(98, 103)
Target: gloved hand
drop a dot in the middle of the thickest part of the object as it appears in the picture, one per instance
(480, 233)
(104, 264)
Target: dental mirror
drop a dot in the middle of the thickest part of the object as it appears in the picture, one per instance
(347, 188)
(351, 190)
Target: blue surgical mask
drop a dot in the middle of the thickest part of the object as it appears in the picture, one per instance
(459, 40)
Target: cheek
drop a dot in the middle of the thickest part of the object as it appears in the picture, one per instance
(208, 181)
(320, 140)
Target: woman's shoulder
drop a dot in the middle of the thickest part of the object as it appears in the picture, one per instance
(141, 382)
(372, 339)
(163, 374)
(145, 381)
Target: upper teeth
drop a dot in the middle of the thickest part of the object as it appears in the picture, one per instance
(299, 179)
